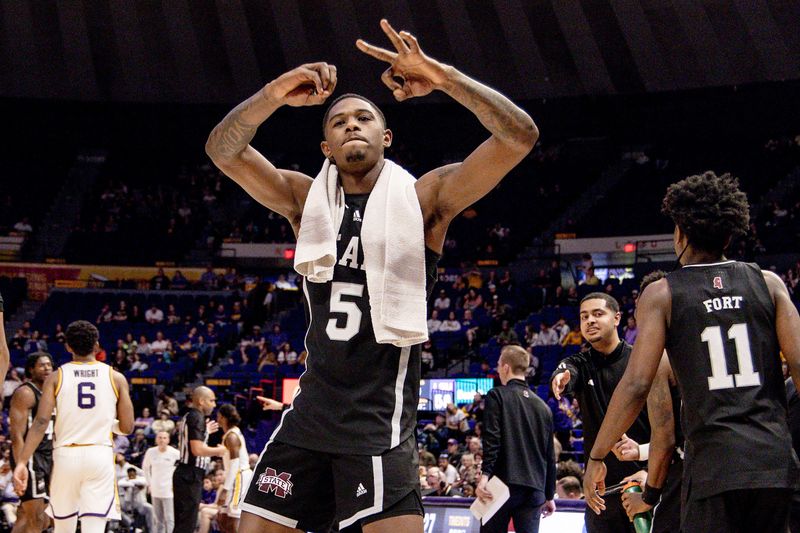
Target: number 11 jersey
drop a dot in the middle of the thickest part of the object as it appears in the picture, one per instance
(356, 397)
(86, 405)
(724, 351)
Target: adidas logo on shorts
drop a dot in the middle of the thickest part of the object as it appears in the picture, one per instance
(360, 491)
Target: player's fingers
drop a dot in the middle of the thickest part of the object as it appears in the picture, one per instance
(376, 52)
(601, 488)
(393, 36)
(333, 79)
(410, 41)
(314, 77)
(387, 77)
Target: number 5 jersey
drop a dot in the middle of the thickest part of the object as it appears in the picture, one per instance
(86, 405)
(356, 396)
(724, 351)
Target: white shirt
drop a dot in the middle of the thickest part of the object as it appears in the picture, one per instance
(158, 468)
(156, 316)
(434, 325)
(547, 337)
(441, 303)
(159, 346)
(451, 474)
(450, 325)
(133, 492)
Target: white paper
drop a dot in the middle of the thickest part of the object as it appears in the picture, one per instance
(486, 510)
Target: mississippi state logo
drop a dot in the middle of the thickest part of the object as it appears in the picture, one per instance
(271, 481)
(718, 283)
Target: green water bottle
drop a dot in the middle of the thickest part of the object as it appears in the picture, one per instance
(642, 522)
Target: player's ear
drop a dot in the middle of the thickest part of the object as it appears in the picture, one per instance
(326, 150)
(387, 138)
(617, 318)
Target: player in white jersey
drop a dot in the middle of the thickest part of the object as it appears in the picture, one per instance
(91, 401)
(237, 468)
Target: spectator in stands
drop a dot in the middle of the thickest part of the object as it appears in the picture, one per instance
(277, 337)
(209, 279)
(572, 296)
(121, 315)
(574, 337)
(469, 472)
(454, 452)
(106, 314)
(168, 403)
(164, 424)
(450, 472)
(437, 480)
(451, 324)
(283, 284)
(220, 316)
(569, 488)
(436, 434)
(11, 384)
(591, 279)
(456, 421)
(143, 347)
(505, 283)
(179, 281)
(209, 511)
(133, 498)
(121, 363)
(547, 336)
(138, 447)
(154, 315)
(9, 498)
(158, 466)
(475, 409)
(161, 346)
(428, 356)
(135, 316)
(469, 326)
(172, 315)
(507, 334)
(532, 375)
(160, 281)
(59, 336)
(434, 324)
(562, 328)
(286, 354)
(144, 422)
(36, 343)
(472, 300)
(442, 302)
(631, 330)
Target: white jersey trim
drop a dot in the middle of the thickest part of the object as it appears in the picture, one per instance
(377, 503)
(693, 265)
(397, 415)
(269, 515)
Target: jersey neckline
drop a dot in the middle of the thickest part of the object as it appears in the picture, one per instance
(727, 262)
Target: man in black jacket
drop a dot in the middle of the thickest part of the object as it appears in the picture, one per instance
(591, 377)
(518, 447)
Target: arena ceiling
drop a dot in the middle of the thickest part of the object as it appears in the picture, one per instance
(218, 51)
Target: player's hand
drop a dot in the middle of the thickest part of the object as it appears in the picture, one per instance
(411, 73)
(211, 426)
(20, 479)
(626, 449)
(548, 508)
(560, 383)
(639, 477)
(309, 84)
(268, 404)
(219, 450)
(482, 492)
(594, 485)
(633, 504)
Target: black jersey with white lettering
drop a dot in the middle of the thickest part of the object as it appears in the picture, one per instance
(46, 446)
(356, 396)
(724, 350)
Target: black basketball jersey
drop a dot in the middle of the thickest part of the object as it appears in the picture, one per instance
(724, 352)
(356, 396)
(46, 446)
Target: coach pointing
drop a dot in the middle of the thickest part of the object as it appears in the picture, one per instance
(518, 447)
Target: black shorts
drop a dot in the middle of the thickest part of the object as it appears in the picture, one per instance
(39, 468)
(734, 511)
(312, 490)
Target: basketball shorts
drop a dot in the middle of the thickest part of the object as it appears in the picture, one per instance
(39, 468)
(83, 483)
(313, 490)
(232, 505)
(738, 511)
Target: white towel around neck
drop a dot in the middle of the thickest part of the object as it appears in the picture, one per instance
(393, 240)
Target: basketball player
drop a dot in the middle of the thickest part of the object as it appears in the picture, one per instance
(5, 355)
(344, 453)
(723, 324)
(24, 405)
(91, 401)
(237, 468)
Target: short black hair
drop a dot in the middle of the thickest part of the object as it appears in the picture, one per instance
(709, 209)
(611, 302)
(82, 337)
(230, 413)
(652, 277)
(32, 359)
(351, 95)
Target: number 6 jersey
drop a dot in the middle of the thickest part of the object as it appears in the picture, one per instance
(86, 405)
(357, 396)
(724, 350)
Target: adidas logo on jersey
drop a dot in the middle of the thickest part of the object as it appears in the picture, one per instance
(357, 216)
(360, 491)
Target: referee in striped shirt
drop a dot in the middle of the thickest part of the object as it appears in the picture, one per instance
(187, 480)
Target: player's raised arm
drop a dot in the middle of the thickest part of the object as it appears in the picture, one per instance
(452, 188)
(228, 146)
(787, 324)
(124, 404)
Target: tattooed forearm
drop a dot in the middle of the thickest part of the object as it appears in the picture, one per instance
(237, 129)
(662, 424)
(498, 114)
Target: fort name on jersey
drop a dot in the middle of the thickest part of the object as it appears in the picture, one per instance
(85, 373)
(722, 303)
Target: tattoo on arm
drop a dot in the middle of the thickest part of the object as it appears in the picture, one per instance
(497, 113)
(233, 134)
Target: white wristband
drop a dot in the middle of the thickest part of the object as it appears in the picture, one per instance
(644, 451)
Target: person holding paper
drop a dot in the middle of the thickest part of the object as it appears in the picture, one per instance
(518, 448)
